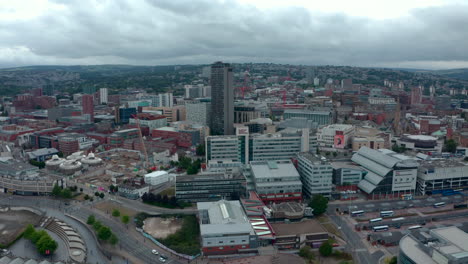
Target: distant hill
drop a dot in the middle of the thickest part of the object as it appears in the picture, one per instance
(461, 74)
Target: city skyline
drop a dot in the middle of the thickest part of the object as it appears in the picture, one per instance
(402, 34)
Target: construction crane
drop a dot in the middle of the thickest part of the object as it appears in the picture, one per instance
(137, 121)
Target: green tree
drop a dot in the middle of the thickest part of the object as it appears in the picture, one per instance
(115, 213)
(46, 243)
(192, 170)
(393, 260)
(66, 193)
(56, 190)
(97, 225)
(29, 231)
(101, 195)
(200, 150)
(86, 197)
(91, 220)
(306, 252)
(450, 146)
(36, 236)
(104, 233)
(319, 203)
(113, 239)
(125, 219)
(326, 249)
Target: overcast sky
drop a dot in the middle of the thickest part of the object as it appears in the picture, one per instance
(431, 34)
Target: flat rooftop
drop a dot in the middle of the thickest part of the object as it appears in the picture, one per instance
(273, 169)
(311, 226)
(223, 217)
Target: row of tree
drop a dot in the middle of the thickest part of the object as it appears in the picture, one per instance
(159, 199)
(103, 232)
(41, 239)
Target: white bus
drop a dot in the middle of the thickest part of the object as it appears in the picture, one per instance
(437, 205)
(386, 213)
(375, 220)
(414, 227)
(398, 219)
(357, 213)
(380, 228)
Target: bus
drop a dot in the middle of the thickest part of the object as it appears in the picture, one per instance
(398, 219)
(437, 205)
(386, 213)
(357, 213)
(380, 228)
(375, 220)
(414, 227)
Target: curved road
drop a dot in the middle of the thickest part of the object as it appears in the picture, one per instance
(53, 208)
(127, 242)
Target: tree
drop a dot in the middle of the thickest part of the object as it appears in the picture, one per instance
(66, 193)
(173, 201)
(29, 231)
(157, 198)
(192, 170)
(115, 213)
(335, 154)
(81, 189)
(86, 197)
(125, 219)
(91, 220)
(97, 225)
(306, 252)
(96, 194)
(450, 146)
(326, 249)
(101, 195)
(200, 150)
(56, 190)
(104, 233)
(319, 203)
(393, 260)
(46, 245)
(113, 239)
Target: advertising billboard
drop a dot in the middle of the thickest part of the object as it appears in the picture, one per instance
(339, 141)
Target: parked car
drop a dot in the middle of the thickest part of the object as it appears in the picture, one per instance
(154, 251)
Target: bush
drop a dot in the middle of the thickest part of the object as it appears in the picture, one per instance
(326, 249)
(97, 225)
(125, 219)
(115, 213)
(91, 220)
(113, 239)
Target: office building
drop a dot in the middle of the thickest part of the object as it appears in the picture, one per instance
(123, 115)
(441, 175)
(276, 181)
(335, 136)
(225, 228)
(441, 245)
(198, 112)
(173, 114)
(148, 120)
(244, 147)
(346, 173)
(88, 107)
(210, 186)
(243, 114)
(319, 117)
(103, 95)
(162, 100)
(222, 99)
(316, 174)
(389, 174)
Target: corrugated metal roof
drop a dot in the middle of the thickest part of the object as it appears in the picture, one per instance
(370, 165)
(366, 186)
(373, 178)
(379, 157)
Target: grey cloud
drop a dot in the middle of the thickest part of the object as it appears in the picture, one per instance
(187, 31)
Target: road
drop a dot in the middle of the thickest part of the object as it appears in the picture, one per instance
(385, 205)
(56, 209)
(355, 244)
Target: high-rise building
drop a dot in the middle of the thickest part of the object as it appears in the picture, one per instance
(103, 95)
(198, 112)
(88, 106)
(416, 95)
(316, 174)
(222, 99)
(162, 100)
(310, 75)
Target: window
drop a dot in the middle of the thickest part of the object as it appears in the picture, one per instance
(220, 242)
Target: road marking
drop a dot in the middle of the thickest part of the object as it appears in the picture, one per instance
(361, 250)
